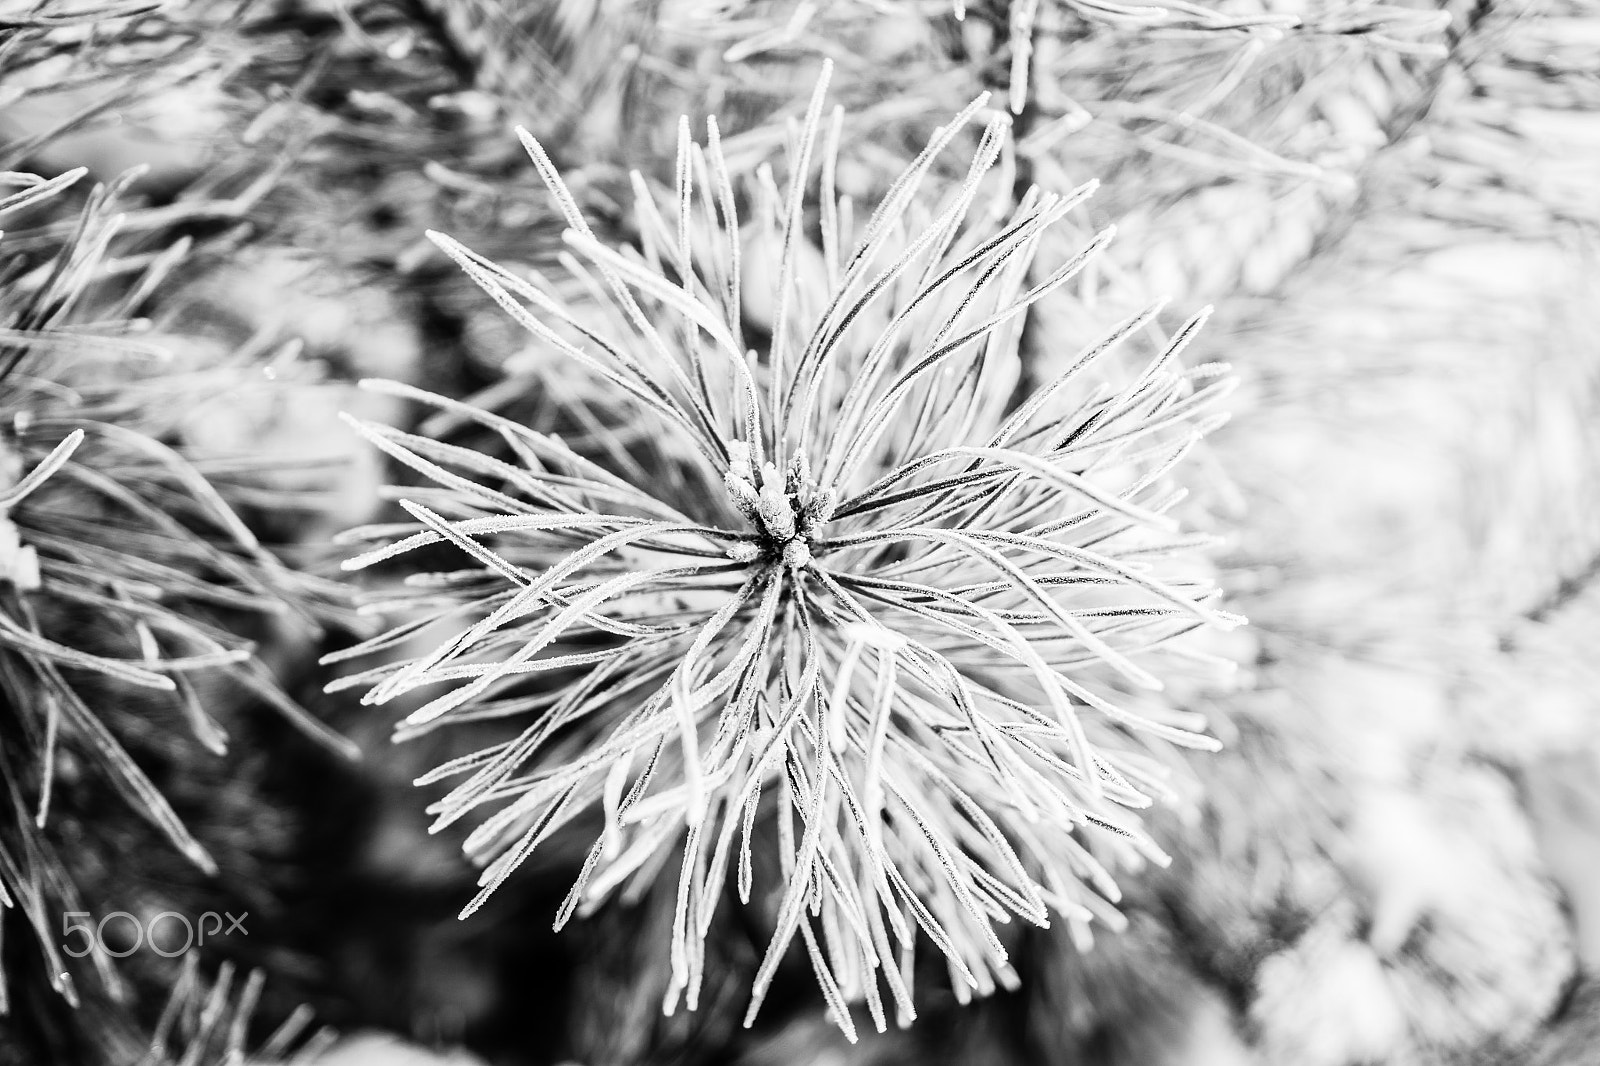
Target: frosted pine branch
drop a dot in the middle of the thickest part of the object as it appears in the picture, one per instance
(866, 643)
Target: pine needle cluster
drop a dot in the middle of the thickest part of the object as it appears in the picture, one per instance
(128, 581)
(869, 640)
(208, 1023)
(1010, 34)
(1248, 28)
(1230, 138)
